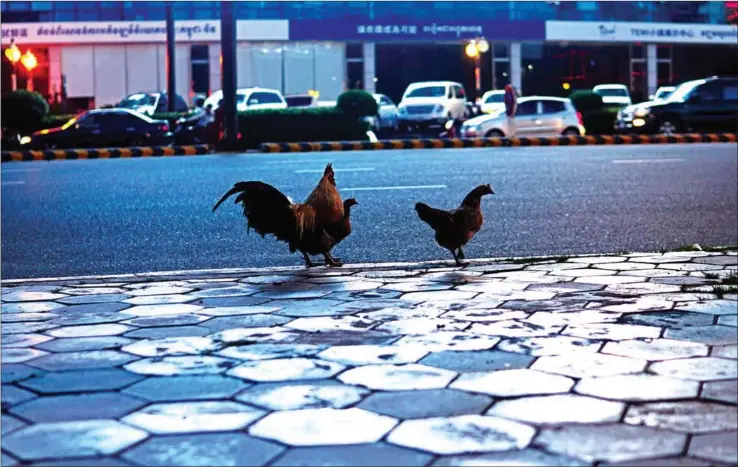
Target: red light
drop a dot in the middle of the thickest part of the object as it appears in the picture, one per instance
(164, 127)
(579, 118)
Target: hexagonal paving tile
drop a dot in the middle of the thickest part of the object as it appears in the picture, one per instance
(310, 308)
(24, 317)
(685, 417)
(668, 319)
(186, 388)
(244, 321)
(398, 377)
(27, 327)
(24, 340)
(334, 338)
(172, 346)
(462, 434)
(446, 340)
(29, 307)
(12, 395)
(419, 326)
(270, 351)
(424, 404)
(166, 332)
(302, 396)
(101, 405)
(655, 349)
(556, 305)
(20, 355)
(555, 345)
(357, 355)
(181, 365)
(515, 329)
(670, 462)
(327, 323)
(89, 438)
(163, 310)
(611, 331)
(167, 320)
(80, 381)
(524, 457)
(511, 383)
(641, 304)
(189, 417)
(711, 335)
(641, 288)
(593, 315)
(13, 372)
(442, 295)
(31, 296)
(226, 449)
(638, 387)
(719, 447)
(254, 335)
(594, 365)
(90, 360)
(316, 427)
(698, 369)
(286, 369)
(728, 320)
(357, 455)
(159, 290)
(238, 310)
(712, 307)
(292, 291)
(92, 290)
(483, 316)
(93, 330)
(464, 361)
(725, 351)
(97, 298)
(9, 424)
(611, 443)
(81, 318)
(724, 391)
(558, 409)
(79, 344)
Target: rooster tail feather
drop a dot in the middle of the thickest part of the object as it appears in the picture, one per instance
(237, 188)
(436, 218)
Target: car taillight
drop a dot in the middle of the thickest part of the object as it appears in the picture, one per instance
(579, 118)
(164, 127)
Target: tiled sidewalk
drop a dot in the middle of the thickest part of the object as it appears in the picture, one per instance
(591, 360)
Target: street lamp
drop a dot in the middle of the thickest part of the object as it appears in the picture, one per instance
(474, 50)
(13, 54)
(29, 61)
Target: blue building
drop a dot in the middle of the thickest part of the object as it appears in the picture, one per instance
(105, 50)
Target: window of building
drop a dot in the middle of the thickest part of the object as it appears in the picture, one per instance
(200, 63)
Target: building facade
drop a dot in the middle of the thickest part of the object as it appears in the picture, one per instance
(104, 51)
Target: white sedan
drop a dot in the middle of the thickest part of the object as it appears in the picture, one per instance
(388, 116)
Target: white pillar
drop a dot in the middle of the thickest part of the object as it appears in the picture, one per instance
(369, 70)
(651, 69)
(516, 78)
(55, 71)
(214, 65)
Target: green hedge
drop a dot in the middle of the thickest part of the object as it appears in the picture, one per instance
(586, 101)
(358, 103)
(294, 125)
(23, 111)
(600, 121)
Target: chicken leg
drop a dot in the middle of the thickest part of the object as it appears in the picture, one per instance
(331, 261)
(461, 254)
(308, 262)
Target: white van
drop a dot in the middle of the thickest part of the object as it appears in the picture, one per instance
(613, 94)
(431, 103)
(250, 99)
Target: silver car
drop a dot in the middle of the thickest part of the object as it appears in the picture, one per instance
(536, 116)
(388, 116)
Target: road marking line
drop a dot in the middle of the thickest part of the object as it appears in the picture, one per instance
(315, 171)
(385, 188)
(7, 171)
(645, 161)
(14, 182)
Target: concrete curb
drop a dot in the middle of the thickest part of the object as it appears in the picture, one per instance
(498, 142)
(108, 153)
(417, 265)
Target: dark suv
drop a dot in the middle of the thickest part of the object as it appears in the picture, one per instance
(705, 105)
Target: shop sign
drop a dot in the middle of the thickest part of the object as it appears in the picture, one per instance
(401, 31)
(593, 31)
(137, 31)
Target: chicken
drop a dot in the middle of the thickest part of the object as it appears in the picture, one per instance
(455, 228)
(309, 227)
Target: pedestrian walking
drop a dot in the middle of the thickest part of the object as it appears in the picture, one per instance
(511, 107)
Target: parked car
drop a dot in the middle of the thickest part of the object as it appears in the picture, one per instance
(103, 128)
(431, 104)
(703, 105)
(663, 93)
(536, 116)
(301, 100)
(493, 101)
(149, 103)
(251, 99)
(388, 116)
(617, 94)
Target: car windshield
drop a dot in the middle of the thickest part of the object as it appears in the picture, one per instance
(494, 98)
(684, 90)
(612, 92)
(428, 91)
(138, 100)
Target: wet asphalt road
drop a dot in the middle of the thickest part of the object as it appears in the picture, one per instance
(123, 216)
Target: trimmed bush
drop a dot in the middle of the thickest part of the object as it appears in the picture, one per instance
(586, 101)
(358, 104)
(23, 111)
(601, 121)
(294, 125)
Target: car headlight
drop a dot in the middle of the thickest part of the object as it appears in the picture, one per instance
(641, 112)
(402, 110)
(438, 109)
(25, 140)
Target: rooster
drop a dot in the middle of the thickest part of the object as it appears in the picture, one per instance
(455, 228)
(313, 227)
